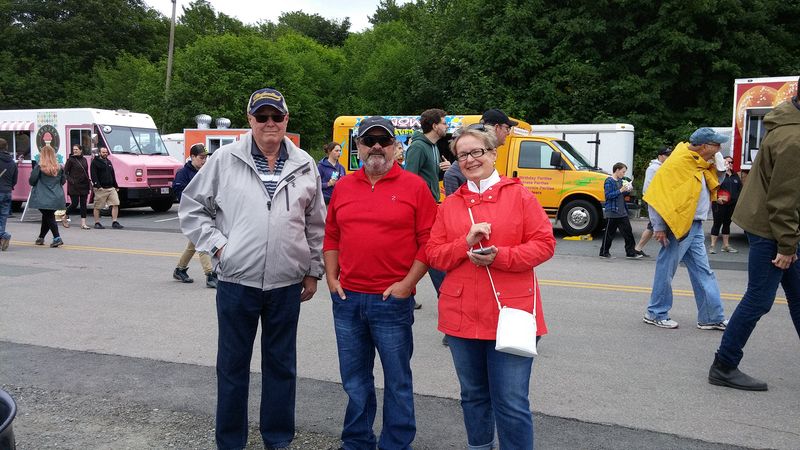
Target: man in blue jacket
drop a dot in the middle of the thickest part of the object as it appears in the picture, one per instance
(616, 213)
(198, 155)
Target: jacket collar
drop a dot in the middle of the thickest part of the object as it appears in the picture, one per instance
(242, 152)
(471, 199)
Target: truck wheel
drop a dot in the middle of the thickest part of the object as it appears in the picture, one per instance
(161, 205)
(579, 217)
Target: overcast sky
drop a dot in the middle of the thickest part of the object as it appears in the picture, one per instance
(357, 10)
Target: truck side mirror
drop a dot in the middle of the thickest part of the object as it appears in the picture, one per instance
(556, 160)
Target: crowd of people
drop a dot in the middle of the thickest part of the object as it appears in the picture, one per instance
(269, 223)
(47, 179)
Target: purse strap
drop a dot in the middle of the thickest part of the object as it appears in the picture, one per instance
(491, 280)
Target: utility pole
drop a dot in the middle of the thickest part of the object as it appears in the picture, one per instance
(169, 56)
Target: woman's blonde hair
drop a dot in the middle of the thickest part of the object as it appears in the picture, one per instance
(478, 130)
(48, 162)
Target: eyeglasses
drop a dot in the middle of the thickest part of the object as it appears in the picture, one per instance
(476, 153)
(262, 118)
(383, 140)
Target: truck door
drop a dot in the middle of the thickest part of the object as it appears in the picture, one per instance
(530, 162)
(754, 132)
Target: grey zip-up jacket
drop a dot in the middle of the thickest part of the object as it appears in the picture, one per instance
(268, 243)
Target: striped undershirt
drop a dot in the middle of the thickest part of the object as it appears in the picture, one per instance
(270, 179)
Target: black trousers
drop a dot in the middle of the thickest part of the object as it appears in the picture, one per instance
(624, 225)
(722, 218)
(48, 223)
(78, 201)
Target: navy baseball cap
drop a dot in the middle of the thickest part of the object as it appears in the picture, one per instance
(267, 97)
(375, 121)
(706, 135)
(496, 117)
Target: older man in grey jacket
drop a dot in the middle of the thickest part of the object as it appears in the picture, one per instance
(257, 207)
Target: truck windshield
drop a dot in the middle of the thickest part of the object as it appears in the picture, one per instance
(138, 141)
(574, 157)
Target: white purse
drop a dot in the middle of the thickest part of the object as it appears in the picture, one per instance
(516, 328)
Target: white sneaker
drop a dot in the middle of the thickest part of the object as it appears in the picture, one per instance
(666, 323)
(713, 326)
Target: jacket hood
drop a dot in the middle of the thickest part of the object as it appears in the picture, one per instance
(190, 166)
(419, 135)
(6, 157)
(787, 113)
(655, 163)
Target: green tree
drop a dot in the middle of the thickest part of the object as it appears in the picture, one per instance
(332, 33)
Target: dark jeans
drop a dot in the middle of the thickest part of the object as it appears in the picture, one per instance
(76, 201)
(624, 225)
(364, 323)
(494, 389)
(5, 211)
(723, 215)
(48, 223)
(762, 285)
(239, 309)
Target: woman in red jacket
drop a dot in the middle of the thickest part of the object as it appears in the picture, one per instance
(508, 220)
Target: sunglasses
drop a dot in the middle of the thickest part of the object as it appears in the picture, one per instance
(384, 140)
(262, 118)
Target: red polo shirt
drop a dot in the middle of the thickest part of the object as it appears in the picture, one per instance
(378, 230)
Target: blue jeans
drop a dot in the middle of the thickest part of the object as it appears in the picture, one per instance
(239, 309)
(692, 251)
(364, 323)
(5, 211)
(494, 389)
(762, 284)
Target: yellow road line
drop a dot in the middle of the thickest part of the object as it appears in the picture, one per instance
(87, 248)
(637, 289)
(557, 283)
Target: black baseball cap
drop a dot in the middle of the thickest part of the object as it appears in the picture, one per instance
(375, 121)
(496, 117)
(665, 151)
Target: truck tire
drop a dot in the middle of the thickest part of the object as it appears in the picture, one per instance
(579, 217)
(161, 205)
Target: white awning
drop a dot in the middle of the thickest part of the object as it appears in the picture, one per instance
(16, 125)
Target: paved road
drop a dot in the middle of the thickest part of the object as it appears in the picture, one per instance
(603, 379)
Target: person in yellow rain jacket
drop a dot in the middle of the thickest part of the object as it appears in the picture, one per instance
(679, 198)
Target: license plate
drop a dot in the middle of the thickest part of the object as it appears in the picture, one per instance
(165, 191)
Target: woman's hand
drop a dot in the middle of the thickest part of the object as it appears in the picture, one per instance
(482, 260)
(478, 232)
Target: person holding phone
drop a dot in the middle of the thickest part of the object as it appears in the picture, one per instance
(473, 230)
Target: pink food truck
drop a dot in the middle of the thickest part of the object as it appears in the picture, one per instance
(142, 165)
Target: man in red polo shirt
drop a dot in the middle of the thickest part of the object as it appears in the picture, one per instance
(379, 220)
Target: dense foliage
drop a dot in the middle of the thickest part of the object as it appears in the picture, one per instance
(665, 67)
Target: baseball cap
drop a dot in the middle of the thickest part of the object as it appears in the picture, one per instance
(496, 117)
(706, 135)
(267, 97)
(375, 121)
(665, 151)
(198, 149)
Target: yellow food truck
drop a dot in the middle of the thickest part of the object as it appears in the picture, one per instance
(568, 187)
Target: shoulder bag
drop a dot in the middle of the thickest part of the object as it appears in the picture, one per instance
(516, 328)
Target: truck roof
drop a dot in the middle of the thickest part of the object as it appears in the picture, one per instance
(584, 127)
(118, 117)
(765, 80)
